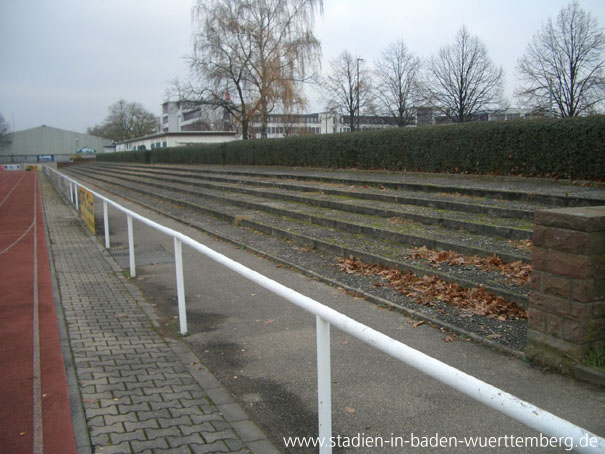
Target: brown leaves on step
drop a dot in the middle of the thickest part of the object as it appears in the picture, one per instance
(517, 271)
(426, 290)
(522, 244)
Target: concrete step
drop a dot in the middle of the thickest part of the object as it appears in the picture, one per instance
(553, 193)
(333, 240)
(392, 229)
(486, 223)
(438, 200)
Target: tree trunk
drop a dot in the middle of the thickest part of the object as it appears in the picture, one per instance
(263, 119)
(245, 129)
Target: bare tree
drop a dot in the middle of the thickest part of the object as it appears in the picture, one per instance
(126, 120)
(461, 79)
(5, 132)
(396, 72)
(348, 88)
(285, 51)
(564, 64)
(222, 53)
(263, 49)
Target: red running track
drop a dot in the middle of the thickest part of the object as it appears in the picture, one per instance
(34, 399)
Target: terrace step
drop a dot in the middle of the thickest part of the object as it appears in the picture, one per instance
(552, 193)
(438, 200)
(183, 202)
(390, 228)
(486, 222)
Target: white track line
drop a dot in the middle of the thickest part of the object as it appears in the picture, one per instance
(38, 446)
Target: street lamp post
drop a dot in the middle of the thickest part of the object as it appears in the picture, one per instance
(358, 121)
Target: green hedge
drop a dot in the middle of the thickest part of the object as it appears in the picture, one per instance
(566, 148)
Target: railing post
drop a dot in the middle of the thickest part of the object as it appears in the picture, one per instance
(324, 385)
(106, 224)
(133, 270)
(76, 197)
(71, 192)
(180, 284)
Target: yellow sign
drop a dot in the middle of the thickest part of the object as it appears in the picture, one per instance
(87, 208)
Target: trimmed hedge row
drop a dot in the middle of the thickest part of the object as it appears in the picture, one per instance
(567, 148)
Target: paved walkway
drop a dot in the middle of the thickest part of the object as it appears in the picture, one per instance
(140, 393)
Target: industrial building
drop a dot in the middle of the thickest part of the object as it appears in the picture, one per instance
(47, 144)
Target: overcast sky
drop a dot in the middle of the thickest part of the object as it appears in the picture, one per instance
(63, 62)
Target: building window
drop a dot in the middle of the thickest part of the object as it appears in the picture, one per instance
(164, 144)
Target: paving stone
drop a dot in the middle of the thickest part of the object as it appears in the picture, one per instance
(149, 424)
(169, 432)
(222, 435)
(219, 446)
(122, 448)
(106, 429)
(170, 421)
(196, 428)
(137, 435)
(188, 440)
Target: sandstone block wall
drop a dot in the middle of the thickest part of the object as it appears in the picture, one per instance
(567, 300)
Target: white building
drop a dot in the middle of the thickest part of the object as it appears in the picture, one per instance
(175, 139)
(181, 116)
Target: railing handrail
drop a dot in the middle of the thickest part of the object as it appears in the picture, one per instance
(522, 411)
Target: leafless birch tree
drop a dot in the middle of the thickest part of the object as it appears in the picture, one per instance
(263, 49)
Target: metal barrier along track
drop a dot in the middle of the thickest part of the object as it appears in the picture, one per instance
(524, 412)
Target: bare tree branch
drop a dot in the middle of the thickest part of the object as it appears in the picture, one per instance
(263, 49)
(396, 72)
(461, 80)
(348, 87)
(565, 64)
(125, 121)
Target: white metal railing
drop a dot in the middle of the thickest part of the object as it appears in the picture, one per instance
(524, 412)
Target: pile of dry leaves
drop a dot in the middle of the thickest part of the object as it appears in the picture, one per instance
(427, 290)
(518, 271)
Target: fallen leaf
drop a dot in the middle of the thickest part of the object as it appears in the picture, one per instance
(350, 410)
(416, 324)
(429, 290)
(449, 339)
